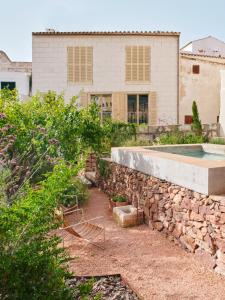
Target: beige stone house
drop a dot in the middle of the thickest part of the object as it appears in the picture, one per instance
(15, 75)
(133, 76)
(200, 80)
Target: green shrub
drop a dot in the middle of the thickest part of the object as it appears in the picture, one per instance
(119, 199)
(103, 168)
(178, 137)
(196, 125)
(217, 140)
(78, 189)
(32, 265)
(117, 133)
(137, 142)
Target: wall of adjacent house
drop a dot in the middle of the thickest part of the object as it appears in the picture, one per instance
(50, 71)
(204, 88)
(206, 46)
(18, 72)
(222, 104)
(21, 80)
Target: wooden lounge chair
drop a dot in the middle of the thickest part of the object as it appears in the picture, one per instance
(75, 224)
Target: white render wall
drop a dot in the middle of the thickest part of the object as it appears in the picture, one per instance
(222, 104)
(204, 88)
(21, 79)
(49, 67)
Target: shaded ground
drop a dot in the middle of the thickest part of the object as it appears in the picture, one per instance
(153, 266)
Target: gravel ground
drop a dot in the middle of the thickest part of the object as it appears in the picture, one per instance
(108, 287)
(154, 267)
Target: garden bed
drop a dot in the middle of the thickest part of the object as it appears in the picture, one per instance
(108, 287)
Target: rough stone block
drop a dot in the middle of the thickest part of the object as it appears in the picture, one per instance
(128, 215)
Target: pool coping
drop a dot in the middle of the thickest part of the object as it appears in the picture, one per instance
(197, 174)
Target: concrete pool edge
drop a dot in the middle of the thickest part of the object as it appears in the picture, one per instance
(203, 176)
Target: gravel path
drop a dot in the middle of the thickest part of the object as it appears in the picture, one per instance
(152, 265)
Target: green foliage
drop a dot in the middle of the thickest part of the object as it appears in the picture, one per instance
(117, 133)
(178, 137)
(86, 288)
(103, 168)
(196, 123)
(4, 174)
(217, 140)
(48, 123)
(76, 188)
(137, 142)
(32, 265)
(119, 199)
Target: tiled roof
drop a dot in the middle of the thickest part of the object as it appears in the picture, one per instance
(112, 33)
(184, 53)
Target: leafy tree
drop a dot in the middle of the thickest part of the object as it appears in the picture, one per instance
(196, 123)
(32, 265)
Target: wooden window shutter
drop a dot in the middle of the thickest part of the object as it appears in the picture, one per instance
(137, 63)
(79, 64)
(153, 108)
(119, 107)
(84, 99)
(128, 64)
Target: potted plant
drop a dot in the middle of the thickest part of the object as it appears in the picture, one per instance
(118, 201)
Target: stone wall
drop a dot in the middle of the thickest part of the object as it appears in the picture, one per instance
(192, 220)
(152, 132)
(91, 163)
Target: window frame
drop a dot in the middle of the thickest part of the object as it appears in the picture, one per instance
(138, 107)
(8, 82)
(101, 95)
(196, 69)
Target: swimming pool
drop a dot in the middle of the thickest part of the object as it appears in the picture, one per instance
(199, 167)
(198, 153)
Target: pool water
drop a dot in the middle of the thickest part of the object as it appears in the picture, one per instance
(200, 154)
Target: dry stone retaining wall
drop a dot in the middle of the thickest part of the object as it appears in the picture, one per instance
(194, 221)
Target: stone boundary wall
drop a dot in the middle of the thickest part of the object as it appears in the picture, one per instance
(192, 220)
(152, 132)
(91, 163)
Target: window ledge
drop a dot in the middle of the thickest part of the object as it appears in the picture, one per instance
(138, 82)
(70, 83)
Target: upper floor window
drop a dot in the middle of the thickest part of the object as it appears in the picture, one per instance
(79, 64)
(196, 69)
(137, 63)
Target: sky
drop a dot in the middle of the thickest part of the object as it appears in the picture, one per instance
(19, 18)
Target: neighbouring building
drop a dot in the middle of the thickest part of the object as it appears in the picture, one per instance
(133, 76)
(200, 80)
(210, 46)
(15, 75)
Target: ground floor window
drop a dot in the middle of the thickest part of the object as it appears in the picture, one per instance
(105, 104)
(11, 85)
(137, 108)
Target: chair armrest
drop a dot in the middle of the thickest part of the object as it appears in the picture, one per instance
(71, 211)
(86, 221)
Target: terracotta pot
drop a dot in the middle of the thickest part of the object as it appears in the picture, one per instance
(121, 203)
(112, 204)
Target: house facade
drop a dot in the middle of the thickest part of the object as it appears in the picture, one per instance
(209, 46)
(15, 75)
(133, 76)
(200, 81)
